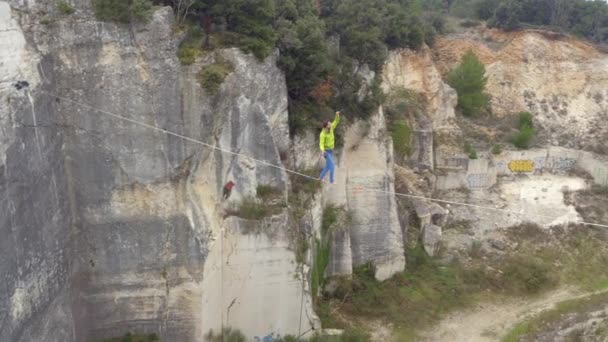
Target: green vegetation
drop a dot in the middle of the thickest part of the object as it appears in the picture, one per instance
(65, 8)
(300, 199)
(402, 135)
(409, 300)
(528, 274)
(317, 273)
(267, 192)
(226, 335)
(252, 209)
(537, 261)
(128, 337)
(304, 52)
(323, 45)
(470, 23)
(253, 21)
(402, 105)
(248, 22)
(190, 47)
(588, 19)
(523, 138)
(212, 76)
(575, 256)
(497, 149)
(470, 150)
(525, 119)
(469, 80)
(506, 15)
(122, 11)
(187, 54)
(526, 131)
(333, 219)
(351, 335)
(544, 320)
(367, 28)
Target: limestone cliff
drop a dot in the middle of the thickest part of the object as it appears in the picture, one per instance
(561, 80)
(365, 186)
(109, 226)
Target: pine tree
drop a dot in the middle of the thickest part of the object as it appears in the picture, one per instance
(469, 81)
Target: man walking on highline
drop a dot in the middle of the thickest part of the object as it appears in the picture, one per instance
(326, 143)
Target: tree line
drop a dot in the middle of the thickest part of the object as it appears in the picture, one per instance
(323, 44)
(585, 18)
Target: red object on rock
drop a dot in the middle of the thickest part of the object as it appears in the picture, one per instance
(229, 185)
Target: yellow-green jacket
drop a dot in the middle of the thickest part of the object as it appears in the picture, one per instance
(326, 139)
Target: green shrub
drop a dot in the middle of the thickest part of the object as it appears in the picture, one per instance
(506, 15)
(470, 23)
(65, 8)
(524, 137)
(333, 218)
(470, 150)
(401, 134)
(212, 76)
(497, 149)
(526, 131)
(122, 11)
(260, 48)
(128, 337)
(410, 299)
(436, 20)
(527, 274)
(190, 47)
(525, 119)
(251, 209)
(187, 54)
(253, 20)
(321, 260)
(267, 192)
(469, 80)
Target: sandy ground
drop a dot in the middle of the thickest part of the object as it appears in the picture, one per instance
(491, 321)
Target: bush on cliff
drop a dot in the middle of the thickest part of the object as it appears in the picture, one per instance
(469, 80)
(123, 11)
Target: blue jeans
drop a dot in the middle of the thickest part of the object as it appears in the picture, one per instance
(329, 166)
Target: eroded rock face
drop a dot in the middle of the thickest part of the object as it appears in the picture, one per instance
(366, 189)
(107, 225)
(35, 213)
(561, 80)
(417, 71)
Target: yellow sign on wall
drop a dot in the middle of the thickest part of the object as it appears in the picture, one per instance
(521, 166)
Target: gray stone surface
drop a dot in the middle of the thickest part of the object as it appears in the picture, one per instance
(364, 186)
(376, 235)
(431, 238)
(107, 226)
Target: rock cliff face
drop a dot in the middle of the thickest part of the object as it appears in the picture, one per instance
(109, 226)
(364, 187)
(417, 71)
(563, 81)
